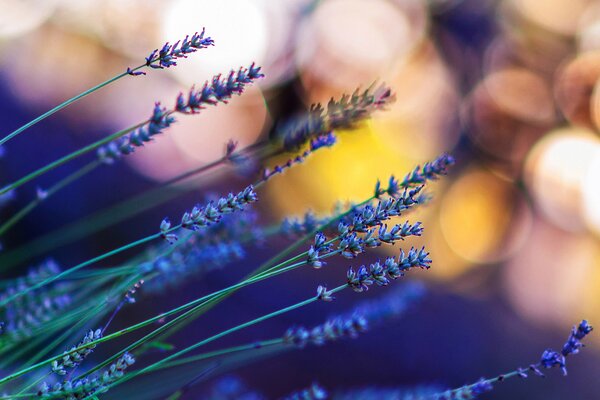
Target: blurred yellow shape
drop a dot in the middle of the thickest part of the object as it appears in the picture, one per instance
(346, 172)
(483, 218)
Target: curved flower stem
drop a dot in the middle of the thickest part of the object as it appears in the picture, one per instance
(109, 216)
(69, 157)
(194, 303)
(223, 352)
(65, 104)
(80, 266)
(86, 169)
(219, 335)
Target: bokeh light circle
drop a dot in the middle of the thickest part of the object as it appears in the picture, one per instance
(555, 173)
(239, 28)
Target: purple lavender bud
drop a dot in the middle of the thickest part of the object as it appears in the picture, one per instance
(326, 140)
(323, 294)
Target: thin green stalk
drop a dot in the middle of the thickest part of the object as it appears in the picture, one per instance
(223, 352)
(82, 265)
(114, 214)
(63, 105)
(69, 157)
(229, 331)
(52, 190)
(191, 313)
(137, 326)
(163, 315)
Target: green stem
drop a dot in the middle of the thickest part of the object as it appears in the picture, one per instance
(229, 331)
(63, 105)
(140, 325)
(114, 214)
(80, 266)
(69, 157)
(52, 190)
(223, 352)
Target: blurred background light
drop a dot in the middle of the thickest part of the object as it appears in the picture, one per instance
(558, 16)
(483, 218)
(347, 43)
(555, 174)
(508, 111)
(551, 286)
(239, 28)
(20, 16)
(574, 88)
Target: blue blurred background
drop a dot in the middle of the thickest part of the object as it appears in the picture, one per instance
(510, 87)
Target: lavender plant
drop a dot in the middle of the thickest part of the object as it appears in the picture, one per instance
(51, 308)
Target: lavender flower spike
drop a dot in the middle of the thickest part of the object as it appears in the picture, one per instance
(82, 388)
(314, 392)
(211, 213)
(551, 358)
(218, 90)
(391, 268)
(71, 360)
(166, 56)
(159, 121)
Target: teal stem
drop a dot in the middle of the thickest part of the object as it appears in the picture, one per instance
(63, 105)
(84, 150)
(229, 331)
(223, 352)
(86, 169)
(80, 266)
(131, 328)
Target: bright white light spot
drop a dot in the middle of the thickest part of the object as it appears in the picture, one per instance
(20, 16)
(556, 172)
(238, 27)
(591, 194)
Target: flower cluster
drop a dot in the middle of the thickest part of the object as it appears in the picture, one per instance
(325, 140)
(388, 393)
(82, 388)
(330, 331)
(296, 227)
(313, 392)
(351, 324)
(160, 120)
(218, 90)
(27, 313)
(429, 172)
(323, 294)
(465, 392)
(166, 56)
(551, 358)
(73, 359)
(360, 230)
(317, 125)
(391, 268)
(191, 260)
(203, 216)
(278, 169)
(212, 248)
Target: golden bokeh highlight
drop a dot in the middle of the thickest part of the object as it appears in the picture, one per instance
(345, 172)
(483, 218)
